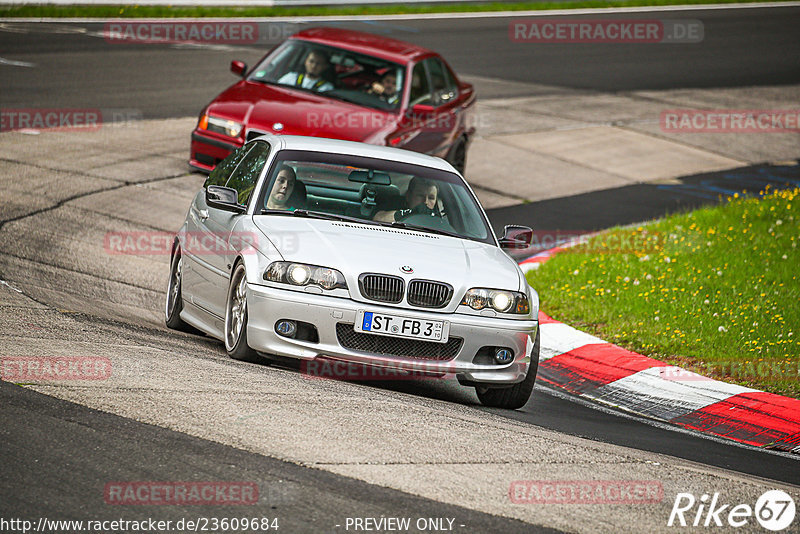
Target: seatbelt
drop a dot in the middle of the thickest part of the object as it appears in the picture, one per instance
(299, 82)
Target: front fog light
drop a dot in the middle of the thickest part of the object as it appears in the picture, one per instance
(299, 274)
(286, 328)
(503, 356)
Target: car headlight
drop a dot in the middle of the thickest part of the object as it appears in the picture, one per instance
(300, 274)
(498, 300)
(220, 126)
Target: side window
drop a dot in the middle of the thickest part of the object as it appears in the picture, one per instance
(420, 89)
(444, 89)
(225, 167)
(246, 175)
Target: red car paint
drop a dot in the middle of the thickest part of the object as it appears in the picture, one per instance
(442, 129)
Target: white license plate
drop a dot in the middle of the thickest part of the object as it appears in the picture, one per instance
(394, 325)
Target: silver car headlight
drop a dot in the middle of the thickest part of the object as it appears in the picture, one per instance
(220, 126)
(300, 274)
(498, 300)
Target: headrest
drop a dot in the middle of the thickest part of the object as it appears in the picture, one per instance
(298, 197)
(386, 196)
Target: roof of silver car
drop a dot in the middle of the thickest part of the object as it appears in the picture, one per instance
(337, 146)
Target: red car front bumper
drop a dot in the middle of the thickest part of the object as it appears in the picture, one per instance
(208, 150)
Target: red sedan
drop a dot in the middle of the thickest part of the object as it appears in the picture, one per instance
(342, 84)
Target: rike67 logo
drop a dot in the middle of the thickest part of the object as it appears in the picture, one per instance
(774, 510)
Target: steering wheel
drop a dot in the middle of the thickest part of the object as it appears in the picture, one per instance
(421, 210)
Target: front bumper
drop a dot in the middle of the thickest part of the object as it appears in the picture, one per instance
(207, 151)
(267, 305)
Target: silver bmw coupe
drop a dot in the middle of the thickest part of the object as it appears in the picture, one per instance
(328, 250)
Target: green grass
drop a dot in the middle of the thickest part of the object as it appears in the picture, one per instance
(714, 290)
(161, 12)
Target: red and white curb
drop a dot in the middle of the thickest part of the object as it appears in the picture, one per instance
(588, 367)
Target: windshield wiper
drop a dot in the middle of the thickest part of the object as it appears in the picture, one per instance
(329, 216)
(406, 226)
(336, 217)
(315, 215)
(266, 211)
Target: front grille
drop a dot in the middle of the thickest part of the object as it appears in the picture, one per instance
(429, 294)
(395, 346)
(381, 287)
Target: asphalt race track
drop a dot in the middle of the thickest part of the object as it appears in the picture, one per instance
(741, 47)
(57, 454)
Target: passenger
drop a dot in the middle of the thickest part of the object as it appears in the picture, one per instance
(386, 88)
(282, 190)
(421, 199)
(316, 64)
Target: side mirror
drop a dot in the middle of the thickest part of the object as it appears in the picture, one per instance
(516, 237)
(421, 111)
(223, 198)
(238, 68)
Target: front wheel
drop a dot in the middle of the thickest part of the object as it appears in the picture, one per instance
(236, 318)
(458, 156)
(516, 396)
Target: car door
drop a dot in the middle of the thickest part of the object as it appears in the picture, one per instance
(445, 99)
(196, 242)
(431, 132)
(220, 224)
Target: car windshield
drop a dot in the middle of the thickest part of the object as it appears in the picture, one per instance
(361, 79)
(372, 191)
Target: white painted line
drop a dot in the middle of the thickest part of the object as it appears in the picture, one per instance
(13, 63)
(4, 283)
(418, 16)
(558, 338)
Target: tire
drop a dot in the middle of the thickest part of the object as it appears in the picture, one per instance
(458, 156)
(516, 396)
(236, 318)
(174, 302)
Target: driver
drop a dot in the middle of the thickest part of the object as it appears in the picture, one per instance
(282, 189)
(421, 198)
(315, 64)
(386, 88)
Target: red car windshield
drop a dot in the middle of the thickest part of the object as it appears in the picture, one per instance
(337, 73)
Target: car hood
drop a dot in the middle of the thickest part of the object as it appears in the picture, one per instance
(355, 248)
(260, 106)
